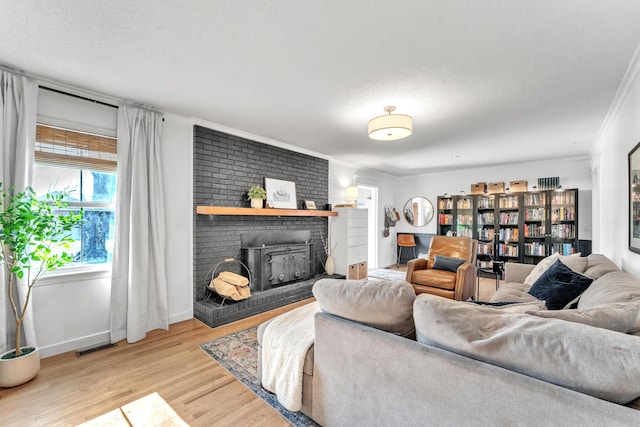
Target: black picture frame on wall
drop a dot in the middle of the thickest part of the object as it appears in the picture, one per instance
(634, 199)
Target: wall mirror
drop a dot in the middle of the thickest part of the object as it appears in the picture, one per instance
(418, 211)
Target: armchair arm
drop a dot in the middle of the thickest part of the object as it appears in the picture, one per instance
(413, 265)
(465, 281)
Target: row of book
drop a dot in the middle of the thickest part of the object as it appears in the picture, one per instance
(509, 202)
(485, 248)
(445, 219)
(465, 219)
(486, 202)
(486, 218)
(563, 198)
(535, 248)
(508, 234)
(486, 233)
(563, 231)
(563, 214)
(510, 218)
(534, 199)
(508, 250)
(534, 214)
(464, 204)
(563, 248)
(445, 204)
(534, 230)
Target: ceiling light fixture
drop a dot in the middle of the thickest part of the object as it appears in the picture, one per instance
(390, 126)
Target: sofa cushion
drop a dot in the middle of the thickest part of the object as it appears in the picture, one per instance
(512, 307)
(559, 285)
(574, 262)
(382, 304)
(594, 361)
(447, 263)
(616, 286)
(616, 316)
(435, 278)
(510, 292)
(598, 265)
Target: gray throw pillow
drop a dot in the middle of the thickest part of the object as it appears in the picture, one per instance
(447, 263)
(382, 304)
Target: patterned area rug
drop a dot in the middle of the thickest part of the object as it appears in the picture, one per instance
(383, 273)
(238, 354)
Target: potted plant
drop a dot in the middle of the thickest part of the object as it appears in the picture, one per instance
(256, 194)
(34, 238)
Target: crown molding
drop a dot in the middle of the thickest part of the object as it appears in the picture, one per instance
(630, 77)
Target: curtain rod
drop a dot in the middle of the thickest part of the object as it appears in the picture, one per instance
(45, 83)
(78, 96)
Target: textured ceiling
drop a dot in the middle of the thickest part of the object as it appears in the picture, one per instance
(486, 82)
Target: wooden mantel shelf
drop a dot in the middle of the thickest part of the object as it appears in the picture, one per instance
(228, 210)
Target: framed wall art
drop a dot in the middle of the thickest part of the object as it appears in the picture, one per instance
(281, 194)
(634, 199)
(309, 204)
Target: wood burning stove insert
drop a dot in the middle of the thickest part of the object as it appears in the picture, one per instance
(276, 258)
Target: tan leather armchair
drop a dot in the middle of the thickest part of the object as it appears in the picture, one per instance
(459, 285)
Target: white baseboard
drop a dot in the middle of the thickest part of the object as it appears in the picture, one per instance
(180, 317)
(76, 344)
(98, 339)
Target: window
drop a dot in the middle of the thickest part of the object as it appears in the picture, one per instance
(84, 165)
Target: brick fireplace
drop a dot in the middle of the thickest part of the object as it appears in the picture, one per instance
(225, 166)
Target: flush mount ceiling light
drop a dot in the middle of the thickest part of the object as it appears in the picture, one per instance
(390, 126)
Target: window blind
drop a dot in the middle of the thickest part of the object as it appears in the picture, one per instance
(62, 147)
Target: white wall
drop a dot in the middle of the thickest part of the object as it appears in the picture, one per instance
(619, 134)
(573, 173)
(177, 162)
(72, 311)
(341, 176)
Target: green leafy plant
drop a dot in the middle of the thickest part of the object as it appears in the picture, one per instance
(257, 192)
(34, 238)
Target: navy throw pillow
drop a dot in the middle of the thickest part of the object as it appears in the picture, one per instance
(447, 263)
(559, 285)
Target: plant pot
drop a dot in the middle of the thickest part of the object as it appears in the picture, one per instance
(257, 203)
(19, 370)
(329, 266)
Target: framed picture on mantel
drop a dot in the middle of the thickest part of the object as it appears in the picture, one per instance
(634, 199)
(281, 194)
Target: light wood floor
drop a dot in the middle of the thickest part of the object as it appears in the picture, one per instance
(70, 390)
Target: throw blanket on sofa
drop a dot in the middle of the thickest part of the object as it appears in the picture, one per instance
(285, 343)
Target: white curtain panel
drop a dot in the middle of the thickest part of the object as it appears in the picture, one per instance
(18, 101)
(139, 280)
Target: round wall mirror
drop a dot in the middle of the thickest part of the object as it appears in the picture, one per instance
(418, 211)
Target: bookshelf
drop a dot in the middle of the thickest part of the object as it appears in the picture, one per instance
(519, 227)
(464, 216)
(485, 229)
(445, 215)
(508, 241)
(563, 209)
(535, 211)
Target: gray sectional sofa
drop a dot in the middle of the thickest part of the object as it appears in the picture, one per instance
(476, 365)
